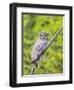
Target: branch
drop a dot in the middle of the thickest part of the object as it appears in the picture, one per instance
(53, 38)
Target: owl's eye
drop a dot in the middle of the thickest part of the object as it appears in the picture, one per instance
(41, 35)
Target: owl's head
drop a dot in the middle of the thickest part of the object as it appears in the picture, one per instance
(43, 35)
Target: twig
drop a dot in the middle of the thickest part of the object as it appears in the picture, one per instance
(32, 69)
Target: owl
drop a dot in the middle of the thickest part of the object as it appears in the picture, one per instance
(39, 46)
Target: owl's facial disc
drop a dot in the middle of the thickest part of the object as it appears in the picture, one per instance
(43, 35)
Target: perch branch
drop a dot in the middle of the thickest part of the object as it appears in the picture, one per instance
(53, 38)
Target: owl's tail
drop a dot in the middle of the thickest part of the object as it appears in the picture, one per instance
(32, 69)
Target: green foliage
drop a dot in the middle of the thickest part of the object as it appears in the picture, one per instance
(52, 60)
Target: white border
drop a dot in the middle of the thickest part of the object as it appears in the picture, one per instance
(43, 78)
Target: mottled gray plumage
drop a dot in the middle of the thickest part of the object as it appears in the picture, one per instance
(38, 48)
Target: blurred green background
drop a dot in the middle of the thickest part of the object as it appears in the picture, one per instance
(52, 60)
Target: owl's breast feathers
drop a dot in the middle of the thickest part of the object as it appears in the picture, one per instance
(38, 48)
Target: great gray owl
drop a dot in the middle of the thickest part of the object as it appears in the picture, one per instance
(38, 48)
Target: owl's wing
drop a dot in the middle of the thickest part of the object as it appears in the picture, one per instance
(38, 49)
